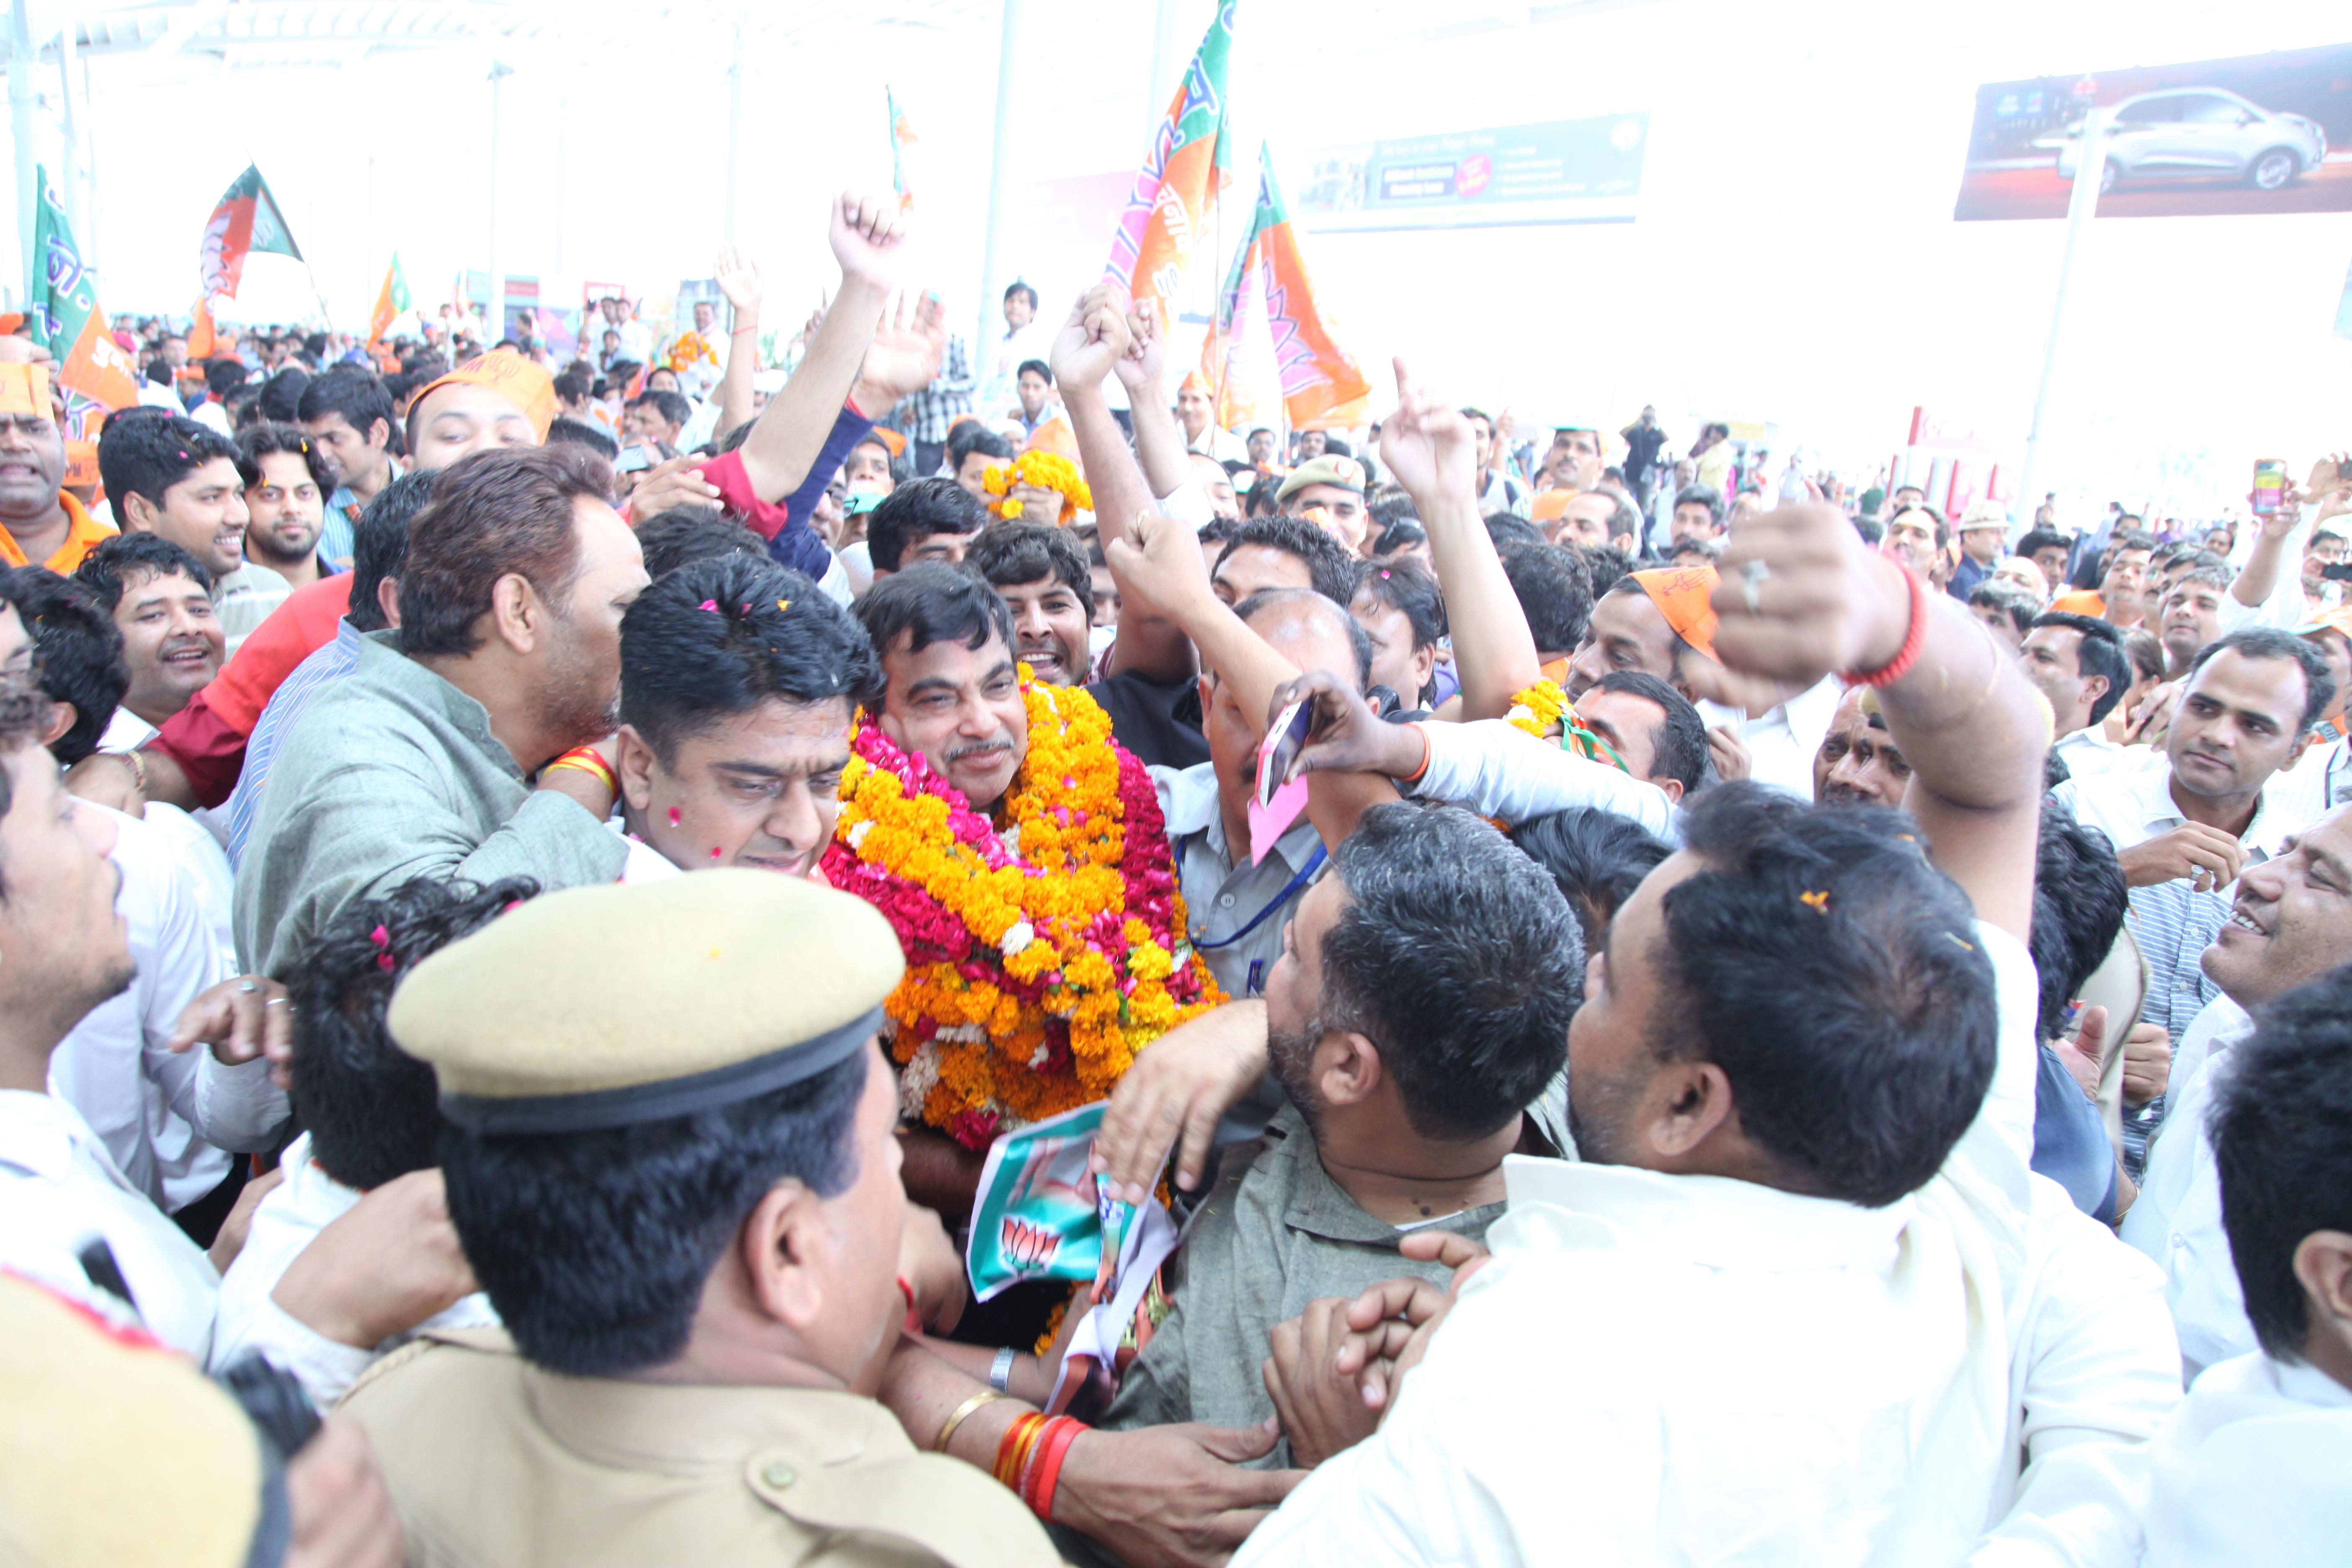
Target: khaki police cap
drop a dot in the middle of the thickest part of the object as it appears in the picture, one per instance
(116, 1452)
(1345, 472)
(616, 1005)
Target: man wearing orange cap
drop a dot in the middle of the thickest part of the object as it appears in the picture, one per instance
(40, 521)
(497, 399)
(1196, 411)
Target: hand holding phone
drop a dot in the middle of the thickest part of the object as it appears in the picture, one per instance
(2270, 487)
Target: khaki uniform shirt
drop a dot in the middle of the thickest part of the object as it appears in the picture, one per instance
(492, 1460)
(1275, 1233)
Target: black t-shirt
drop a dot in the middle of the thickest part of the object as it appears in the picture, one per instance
(1642, 449)
(1160, 723)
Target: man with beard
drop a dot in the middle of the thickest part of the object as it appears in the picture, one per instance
(161, 599)
(172, 477)
(507, 659)
(1858, 764)
(284, 491)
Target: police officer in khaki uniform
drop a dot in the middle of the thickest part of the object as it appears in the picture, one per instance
(675, 1175)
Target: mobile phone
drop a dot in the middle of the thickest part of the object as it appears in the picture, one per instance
(1281, 747)
(632, 460)
(2338, 572)
(2270, 487)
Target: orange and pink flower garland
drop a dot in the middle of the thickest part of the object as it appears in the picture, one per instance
(1041, 958)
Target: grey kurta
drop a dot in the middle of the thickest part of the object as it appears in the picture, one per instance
(390, 775)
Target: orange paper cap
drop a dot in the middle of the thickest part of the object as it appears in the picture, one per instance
(1551, 505)
(1681, 594)
(24, 390)
(529, 386)
(893, 442)
(1054, 436)
(2337, 620)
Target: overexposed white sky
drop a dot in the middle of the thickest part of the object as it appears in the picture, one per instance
(1794, 258)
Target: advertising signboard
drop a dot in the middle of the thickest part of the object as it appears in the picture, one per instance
(1559, 171)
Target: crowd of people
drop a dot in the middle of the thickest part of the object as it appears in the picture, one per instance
(1776, 1025)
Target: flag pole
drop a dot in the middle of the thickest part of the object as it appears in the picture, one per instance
(20, 126)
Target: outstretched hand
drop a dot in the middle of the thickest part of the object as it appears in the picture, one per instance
(1094, 339)
(1147, 349)
(905, 355)
(739, 278)
(1346, 735)
(1823, 600)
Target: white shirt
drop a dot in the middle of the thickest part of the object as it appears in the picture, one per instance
(2255, 1467)
(1497, 769)
(2177, 1219)
(1694, 1369)
(1783, 739)
(2088, 752)
(213, 416)
(197, 855)
(165, 1117)
(60, 1193)
(285, 1222)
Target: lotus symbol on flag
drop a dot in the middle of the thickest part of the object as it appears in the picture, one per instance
(211, 255)
(1025, 1246)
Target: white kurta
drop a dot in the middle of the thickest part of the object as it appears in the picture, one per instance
(2255, 1467)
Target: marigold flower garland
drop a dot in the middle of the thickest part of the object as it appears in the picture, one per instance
(1045, 471)
(1543, 707)
(1040, 957)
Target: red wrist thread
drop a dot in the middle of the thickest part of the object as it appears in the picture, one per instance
(1914, 637)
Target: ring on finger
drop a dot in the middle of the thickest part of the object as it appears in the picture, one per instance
(1751, 575)
(246, 988)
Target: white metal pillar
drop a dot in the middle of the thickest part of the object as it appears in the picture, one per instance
(69, 159)
(1167, 58)
(2080, 205)
(734, 127)
(495, 327)
(993, 280)
(21, 61)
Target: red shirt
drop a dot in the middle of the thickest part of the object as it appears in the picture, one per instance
(207, 737)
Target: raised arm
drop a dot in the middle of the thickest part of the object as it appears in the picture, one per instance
(1094, 339)
(1802, 596)
(1428, 447)
(867, 243)
(1160, 562)
(1159, 446)
(739, 279)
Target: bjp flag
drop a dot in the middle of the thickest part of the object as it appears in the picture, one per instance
(1322, 387)
(1190, 161)
(202, 339)
(902, 136)
(390, 301)
(244, 220)
(93, 372)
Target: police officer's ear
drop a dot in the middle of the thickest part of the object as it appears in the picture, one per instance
(788, 1252)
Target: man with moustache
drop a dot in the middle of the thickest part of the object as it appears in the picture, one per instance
(504, 666)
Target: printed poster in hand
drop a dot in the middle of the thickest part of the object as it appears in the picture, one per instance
(1042, 1213)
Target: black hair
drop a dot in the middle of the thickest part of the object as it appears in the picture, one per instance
(1359, 641)
(672, 406)
(1402, 535)
(1040, 366)
(1012, 553)
(1706, 495)
(1679, 748)
(370, 1107)
(1857, 1028)
(573, 384)
(933, 601)
(917, 510)
(1019, 287)
(2101, 652)
(1596, 858)
(1392, 505)
(281, 394)
(223, 376)
(1554, 593)
(380, 543)
(683, 533)
(2040, 539)
(269, 437)
(2269, 643)
(117, 563)
(975, 437)
(2146, 652)
(146, 456)
(491, 513)
(2079, 903)
(358, 394)
(596, 1247)
(1511, 533)
(1408, 586)
(1331, 569)
(2124, 539)
(1457, 957)
(2282, 1133)
(81, 654)
(2020, 604)
(719, 637)
(579, 433)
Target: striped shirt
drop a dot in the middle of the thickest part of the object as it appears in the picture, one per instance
(327, 664)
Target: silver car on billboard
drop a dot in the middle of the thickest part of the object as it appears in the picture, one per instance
(2199, 133)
